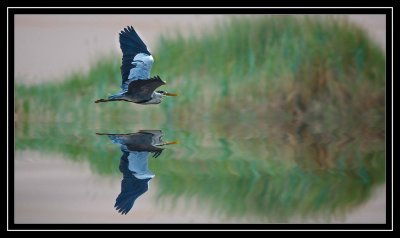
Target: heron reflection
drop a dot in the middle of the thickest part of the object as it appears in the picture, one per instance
(136, 150)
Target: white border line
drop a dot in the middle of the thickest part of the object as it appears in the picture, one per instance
(202, 8)
(8, 155)
(391, 84)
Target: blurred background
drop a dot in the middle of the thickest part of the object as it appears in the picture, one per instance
(280, 118)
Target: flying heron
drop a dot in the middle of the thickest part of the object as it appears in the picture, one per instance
(136, 148)
(137, 86)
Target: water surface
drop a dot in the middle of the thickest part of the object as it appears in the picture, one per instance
(72, 176)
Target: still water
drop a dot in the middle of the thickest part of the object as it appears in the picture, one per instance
(65, 173)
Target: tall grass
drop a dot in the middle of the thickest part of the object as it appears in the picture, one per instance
(277, 116)
(299, 66)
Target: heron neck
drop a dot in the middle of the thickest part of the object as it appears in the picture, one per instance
(155, 98)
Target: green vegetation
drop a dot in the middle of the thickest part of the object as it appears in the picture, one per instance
(277, 116)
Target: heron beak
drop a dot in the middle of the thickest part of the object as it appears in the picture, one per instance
(169, 143)
(171, 94)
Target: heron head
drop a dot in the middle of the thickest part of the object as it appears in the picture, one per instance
(157, 141)
(157, 97)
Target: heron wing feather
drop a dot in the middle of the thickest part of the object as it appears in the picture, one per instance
(143, 89)
(131, 187)
(136, 58)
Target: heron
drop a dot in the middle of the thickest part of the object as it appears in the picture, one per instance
(136, 148)
(137, 85)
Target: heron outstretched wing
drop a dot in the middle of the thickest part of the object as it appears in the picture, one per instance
(131, 187)
(142, 89)
(136, 58)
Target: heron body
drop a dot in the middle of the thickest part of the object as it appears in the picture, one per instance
(141, 141)
(137, 85)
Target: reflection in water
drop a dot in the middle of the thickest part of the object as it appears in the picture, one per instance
(236, 172)
(136, 148)
(294, 172)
